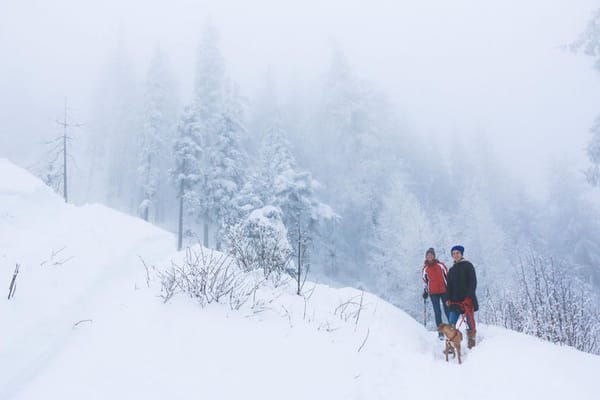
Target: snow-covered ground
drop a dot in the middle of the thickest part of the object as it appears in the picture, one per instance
(83, 324)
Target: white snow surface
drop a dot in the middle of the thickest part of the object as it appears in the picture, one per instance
(83, 264)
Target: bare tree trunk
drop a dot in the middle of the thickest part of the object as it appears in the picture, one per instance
(299, 260)
(180, 230)
(206, 230)
(65, 155)
(147, 203)
(219, 231)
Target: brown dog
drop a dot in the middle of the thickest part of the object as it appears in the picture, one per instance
(453, 339)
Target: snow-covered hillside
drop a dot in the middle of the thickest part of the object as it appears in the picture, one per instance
(84, 325)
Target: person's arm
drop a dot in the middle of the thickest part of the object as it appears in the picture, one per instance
(444, 271)
(449, 286)
(472, 286)
(425, 282)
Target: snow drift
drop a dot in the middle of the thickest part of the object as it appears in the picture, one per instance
(84, 324)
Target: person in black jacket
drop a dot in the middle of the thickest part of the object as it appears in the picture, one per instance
(462, 283)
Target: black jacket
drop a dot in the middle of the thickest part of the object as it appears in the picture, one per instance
(462, 282)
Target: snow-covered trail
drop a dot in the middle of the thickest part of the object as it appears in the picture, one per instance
(137, 347)
(74, 262)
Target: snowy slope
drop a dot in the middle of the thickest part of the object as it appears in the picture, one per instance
(131, 345)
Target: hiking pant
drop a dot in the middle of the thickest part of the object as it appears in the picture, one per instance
(435, 301)
(453, 319)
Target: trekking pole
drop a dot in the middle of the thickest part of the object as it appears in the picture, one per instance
(425, 312)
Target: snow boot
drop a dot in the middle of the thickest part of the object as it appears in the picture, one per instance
(470, 339)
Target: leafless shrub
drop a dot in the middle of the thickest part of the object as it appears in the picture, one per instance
(237, 301)
(326, 326)
(364, 341)
(56, 258)
(148, 270)
(168, 283)
(260, 304)
(351, 309)
(76, 324)
(208, 277)
(548, 303)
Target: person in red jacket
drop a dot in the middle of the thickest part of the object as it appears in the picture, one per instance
(435, 274)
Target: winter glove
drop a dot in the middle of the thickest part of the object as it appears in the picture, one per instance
(425, 294)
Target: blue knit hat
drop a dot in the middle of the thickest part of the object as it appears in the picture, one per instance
(459, 248)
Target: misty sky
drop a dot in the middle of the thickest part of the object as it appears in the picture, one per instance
(454, 70)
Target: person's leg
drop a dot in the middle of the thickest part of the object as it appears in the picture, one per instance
(453, 317)
(471, 329)
(435, 301)
(444, 297)
(470, 320)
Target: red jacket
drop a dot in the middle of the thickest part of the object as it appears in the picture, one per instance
(434, 276)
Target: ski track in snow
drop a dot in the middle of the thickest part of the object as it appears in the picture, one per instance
(51, 335)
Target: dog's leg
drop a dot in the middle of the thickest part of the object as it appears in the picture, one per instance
(458, 351)
(447, 348)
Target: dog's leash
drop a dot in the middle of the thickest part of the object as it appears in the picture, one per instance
(454, 336)
(468, 309)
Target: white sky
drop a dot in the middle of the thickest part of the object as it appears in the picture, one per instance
(454, 69)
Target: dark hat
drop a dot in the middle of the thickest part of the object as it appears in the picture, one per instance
(430, 250)
(459, 248)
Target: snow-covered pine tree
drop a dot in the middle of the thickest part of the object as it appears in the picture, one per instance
(259, 241)
(589, 43)
(589, 40)
(156, 137)
(210, 76)
(593, 152)
(569, 208)
(275, 163)
(186, 174)
(279, 182)
(208, 102)
(486, 244)
(401, 236)
(351, 123)
(226, 164)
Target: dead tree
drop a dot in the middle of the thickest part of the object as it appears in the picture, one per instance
(60, 152)
(302, 242)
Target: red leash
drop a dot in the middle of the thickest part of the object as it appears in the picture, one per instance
(453, 336)
(467, 308)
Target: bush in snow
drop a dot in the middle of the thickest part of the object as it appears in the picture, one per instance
(260, 242)
(208, 277)
(550, 304)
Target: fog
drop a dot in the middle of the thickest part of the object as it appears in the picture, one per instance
(455, 71)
